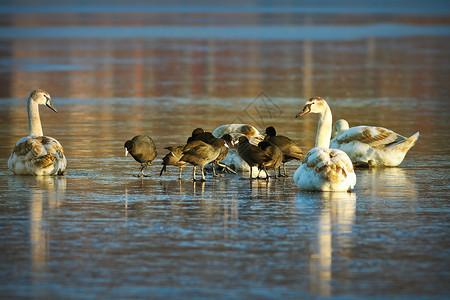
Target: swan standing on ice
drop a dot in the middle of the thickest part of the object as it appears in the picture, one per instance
(324, 169)
(370, 146)
(37, 154)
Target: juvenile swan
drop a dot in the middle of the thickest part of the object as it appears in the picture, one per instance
(324, 169)
(37, 154)
(370, 146)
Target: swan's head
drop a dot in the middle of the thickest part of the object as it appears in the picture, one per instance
(314, 105)
(43, 98)
(339, 127)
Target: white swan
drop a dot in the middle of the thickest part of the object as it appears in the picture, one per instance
(233, 159)
(371, 146)
(324, 169)
(37, 154)
(238, 130)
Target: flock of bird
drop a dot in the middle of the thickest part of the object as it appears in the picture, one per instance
(329, 166)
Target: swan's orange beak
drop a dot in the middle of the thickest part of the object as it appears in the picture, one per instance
(306, 110)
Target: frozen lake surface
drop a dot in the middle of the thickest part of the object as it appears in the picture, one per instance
(118, 71)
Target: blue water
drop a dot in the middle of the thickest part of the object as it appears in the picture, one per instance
(305, 32)
(289, 6)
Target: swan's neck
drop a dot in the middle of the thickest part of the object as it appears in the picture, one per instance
(34, 122)
(324, 129)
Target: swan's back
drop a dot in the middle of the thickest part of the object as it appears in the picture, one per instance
(325, 169)
(238, 130)
(37, 155)
(370, 135)
(374, 146)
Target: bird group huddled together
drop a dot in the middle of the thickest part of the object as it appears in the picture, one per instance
(329, 166)
(204, 148)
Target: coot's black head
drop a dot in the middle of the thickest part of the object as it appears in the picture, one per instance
(129, 145)
(270, 131)
(264, 145)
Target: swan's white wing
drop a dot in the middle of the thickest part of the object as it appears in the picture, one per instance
(373, 146)
(245, 129)
(238, 130)
(369, 135)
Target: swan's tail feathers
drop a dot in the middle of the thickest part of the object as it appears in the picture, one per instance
(405, 145)
(45, 161)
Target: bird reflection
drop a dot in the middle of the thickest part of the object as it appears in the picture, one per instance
(387, 182)
(198, 187)
(230, 215)
(336, 217)
(46, 192)
(38, 236)
(259, 187)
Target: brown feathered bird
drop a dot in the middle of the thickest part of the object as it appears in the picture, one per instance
(224, 150)
(143, 150)
(274, 157)
(252, 155)
(199, 153)
(200, 135)
(173, 159)
(291, 150)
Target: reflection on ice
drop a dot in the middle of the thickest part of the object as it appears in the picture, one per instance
(387, 183)
(45, 192)
(336, 216)
(52, 187)
(38, 237)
